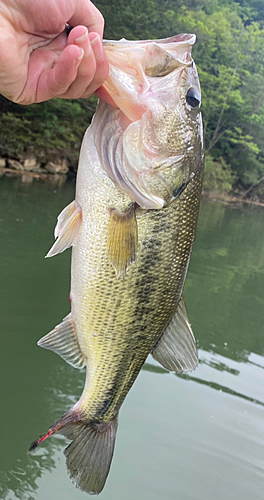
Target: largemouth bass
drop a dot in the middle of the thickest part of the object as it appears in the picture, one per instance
(131, 228)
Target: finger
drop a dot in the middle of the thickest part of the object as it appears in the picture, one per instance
(87, 67)
(93, 68)
(88, 15)
(102, 67)
(44, 84)
(79, 36)
(57, 44)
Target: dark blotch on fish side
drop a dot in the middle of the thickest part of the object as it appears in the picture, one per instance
(104, 406)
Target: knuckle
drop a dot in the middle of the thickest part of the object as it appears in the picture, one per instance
(100, 76)
(101, 20)
(88, 69)
(74, 94)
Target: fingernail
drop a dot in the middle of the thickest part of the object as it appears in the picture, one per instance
(81, 54)
(97, 48)
(82, 38)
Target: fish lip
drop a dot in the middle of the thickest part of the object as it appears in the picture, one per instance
(182, 39)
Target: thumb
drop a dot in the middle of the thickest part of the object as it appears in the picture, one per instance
(49, 75)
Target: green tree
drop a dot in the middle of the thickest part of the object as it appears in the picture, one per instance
(52, 129)
(229, 54)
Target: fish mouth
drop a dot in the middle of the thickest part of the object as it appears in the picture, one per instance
(182, 39)
(153, 58)
(140, 74)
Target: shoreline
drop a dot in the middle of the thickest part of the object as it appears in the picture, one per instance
(60, 178)
(231, 198)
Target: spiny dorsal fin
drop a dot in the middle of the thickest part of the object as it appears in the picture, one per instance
(63, 340)
(122, 239)
(66, 229)
(176, 349)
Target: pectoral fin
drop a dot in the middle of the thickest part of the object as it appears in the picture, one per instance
(176, 349)
(122, 239)
(67, 228)
(63, 340)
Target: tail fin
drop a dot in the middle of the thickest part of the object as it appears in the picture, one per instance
(89, 455)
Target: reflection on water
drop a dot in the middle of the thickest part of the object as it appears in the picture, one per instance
(196, 436)
(226, 280)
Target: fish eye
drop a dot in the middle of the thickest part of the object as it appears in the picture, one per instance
(193, 98)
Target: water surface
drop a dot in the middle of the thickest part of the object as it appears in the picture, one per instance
(194, 437)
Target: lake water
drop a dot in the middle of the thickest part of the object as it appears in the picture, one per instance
(194, 437)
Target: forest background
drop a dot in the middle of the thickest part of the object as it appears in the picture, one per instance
(229, 54)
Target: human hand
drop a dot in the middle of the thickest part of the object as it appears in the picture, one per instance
(37, 59)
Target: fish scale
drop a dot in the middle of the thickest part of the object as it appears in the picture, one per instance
(173, 230)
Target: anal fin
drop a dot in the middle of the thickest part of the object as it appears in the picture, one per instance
(63, 340)
(122, 239)
(176, 349)
(67, 228)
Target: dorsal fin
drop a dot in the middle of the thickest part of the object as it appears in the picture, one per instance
(63, 340)
(66, 228)
(176, 349)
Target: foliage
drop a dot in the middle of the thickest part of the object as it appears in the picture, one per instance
(229, 54)
(230, 57)
(218, 176)
(51, 129)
